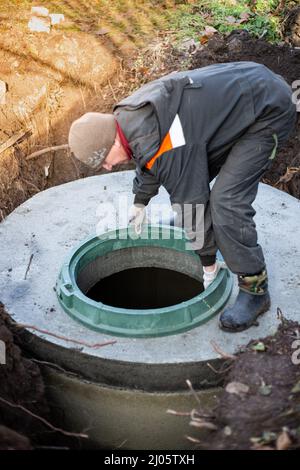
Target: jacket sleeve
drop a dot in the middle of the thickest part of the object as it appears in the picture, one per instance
(145, 186)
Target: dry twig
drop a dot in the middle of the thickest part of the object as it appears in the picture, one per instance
(189, 384)
(178, 413)
(222, 353)
(219, 372)
(193, 439)
(203, 425)
(31, 184)
(64, 338)
(199, 414)
(46, 150)
(112, 90)
(51, 364)
(43, 420)
(291, 171)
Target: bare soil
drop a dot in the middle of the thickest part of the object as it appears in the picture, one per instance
(21, 384)
(265, 414)
(259, 407)
(291, 27)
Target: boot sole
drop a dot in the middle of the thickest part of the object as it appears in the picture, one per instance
(245, 327)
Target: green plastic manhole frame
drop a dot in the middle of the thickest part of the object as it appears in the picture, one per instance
(133, 322)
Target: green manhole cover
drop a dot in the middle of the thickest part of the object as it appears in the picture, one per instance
(146, 286)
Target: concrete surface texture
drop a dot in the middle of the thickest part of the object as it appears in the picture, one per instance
(51, 223)
(127, 419)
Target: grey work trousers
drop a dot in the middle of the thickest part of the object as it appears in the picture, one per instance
(229, 224)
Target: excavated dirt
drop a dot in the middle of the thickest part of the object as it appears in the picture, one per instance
(291, 27)
(21, 384)
(282, 59)
(260, 405)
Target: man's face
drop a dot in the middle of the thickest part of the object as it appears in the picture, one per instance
(116, 156)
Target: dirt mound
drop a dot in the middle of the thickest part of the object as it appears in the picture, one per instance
(291, 27)
(259, 407)
(282, 59)
(21, 385)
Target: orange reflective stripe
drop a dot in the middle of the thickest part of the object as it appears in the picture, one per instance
(165, 146)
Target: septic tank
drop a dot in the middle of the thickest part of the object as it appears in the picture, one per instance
(119, 359)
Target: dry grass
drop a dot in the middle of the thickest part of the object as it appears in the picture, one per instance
(124, 19)
(53, 78)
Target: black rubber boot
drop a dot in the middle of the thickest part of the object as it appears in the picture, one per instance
(253, 300)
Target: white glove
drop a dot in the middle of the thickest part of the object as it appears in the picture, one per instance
(137, 214)
(209, 277)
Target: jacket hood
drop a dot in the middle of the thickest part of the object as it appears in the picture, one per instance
(146, 116)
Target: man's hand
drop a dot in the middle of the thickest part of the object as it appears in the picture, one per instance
(210, 274)
(137, 214)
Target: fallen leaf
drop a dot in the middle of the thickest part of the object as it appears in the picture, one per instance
(210, 30)
(261, 447)
(237, 387)
(227, 431)
(259, 346)
(143, 70)
(203, 39)
(255, 440)
(268, 436)
(265, 390)
(289, 174)
(296, 388)
(283, 441)
(244, 17)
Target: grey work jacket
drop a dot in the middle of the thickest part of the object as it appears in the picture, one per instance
(214, 106)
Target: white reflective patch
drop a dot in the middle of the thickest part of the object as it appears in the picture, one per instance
(176, 133)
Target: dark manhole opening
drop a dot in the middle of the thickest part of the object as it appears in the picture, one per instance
(143, 288)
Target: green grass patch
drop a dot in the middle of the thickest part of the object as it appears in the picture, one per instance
(226, 15)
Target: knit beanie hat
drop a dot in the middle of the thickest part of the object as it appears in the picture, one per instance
(91, 137)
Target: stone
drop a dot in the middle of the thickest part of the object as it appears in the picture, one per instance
(216, 44)
(56, 18)
(189, 44)
(235, 45)
(40, 11)
(39, 25)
